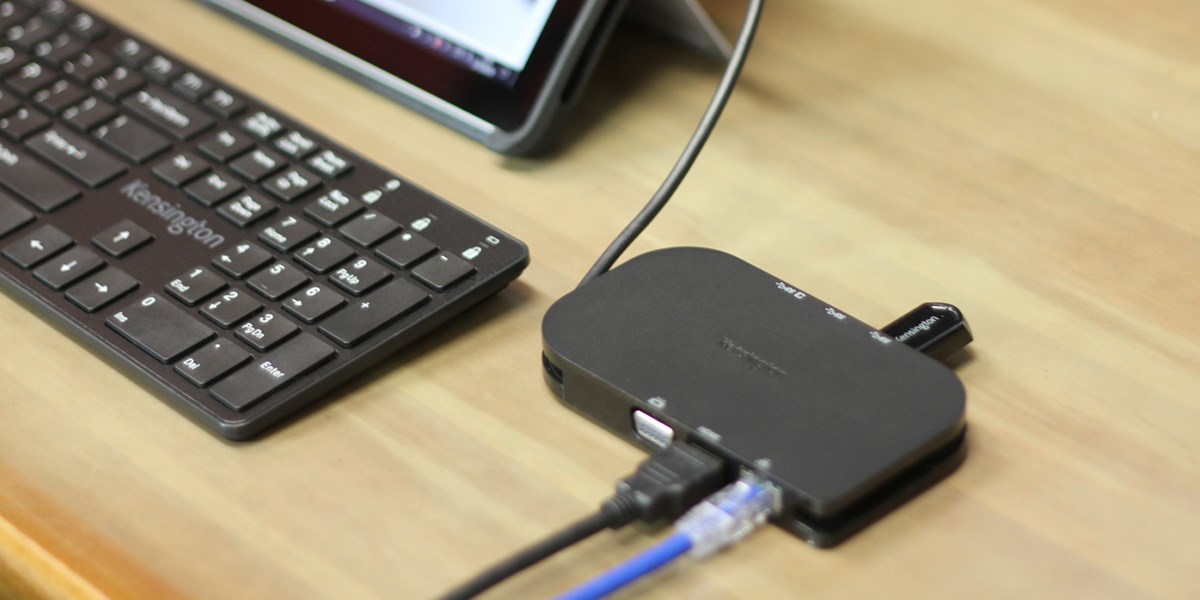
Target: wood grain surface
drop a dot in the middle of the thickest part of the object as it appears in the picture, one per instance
(1036, 163)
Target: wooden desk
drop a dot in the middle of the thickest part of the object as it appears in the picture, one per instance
(1037, 163)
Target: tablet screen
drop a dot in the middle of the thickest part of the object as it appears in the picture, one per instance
(489, 58)
(492, 37)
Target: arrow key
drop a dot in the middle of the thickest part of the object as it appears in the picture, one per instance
(104, 287)
(68, 267)
(42, 243)
(122, 238)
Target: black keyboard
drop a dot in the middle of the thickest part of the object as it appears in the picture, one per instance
(236, 260)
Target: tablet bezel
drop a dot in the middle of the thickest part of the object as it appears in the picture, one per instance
(514, 120)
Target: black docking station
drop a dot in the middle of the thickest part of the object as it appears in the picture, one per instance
(697, 346)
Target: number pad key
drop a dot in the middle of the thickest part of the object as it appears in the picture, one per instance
(364, 316)
(195, 285)
(324, 254)
(442, 271)
(209, 363)
(256, 380)
(405, 249)
(243, 259)
(277, 280)
(360, 276)
(266, 331)
(369, 228)
(313, 303)
(287, 233)
(160, 328)
(230, 308)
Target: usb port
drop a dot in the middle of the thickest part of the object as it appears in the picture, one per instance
(652, 430)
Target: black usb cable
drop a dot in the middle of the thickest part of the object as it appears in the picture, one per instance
(662, 488)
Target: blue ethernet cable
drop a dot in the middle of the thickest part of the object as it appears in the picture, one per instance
(722, 519)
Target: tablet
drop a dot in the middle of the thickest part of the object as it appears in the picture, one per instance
(500, 71)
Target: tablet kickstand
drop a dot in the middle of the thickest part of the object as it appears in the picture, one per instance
(684, 21)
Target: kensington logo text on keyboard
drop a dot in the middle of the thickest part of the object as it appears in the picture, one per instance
(180, 222)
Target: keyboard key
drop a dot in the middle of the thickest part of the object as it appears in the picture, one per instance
(257, 165)
(360, 276)
(247, 208)
(244, 259)
(367, 229)
(261, 125)
(333, 208)
(30, 33)
(255, 381)
(131, 139)
(132, 53)
(313, 303)
(59, 96)
(8, 102)
(68, 267)
(287, 233)
(195, 285)
(225, 144)
(230, 308)
(42, 243)
(329, 164)
(11, 13)
(88, 65)
(324, 254)
(58, 11)
(30, 78)
(181, 168)
(160, 69)
(405, 249)
(192, 87)
(211, 362)
(13, 216)
(277, 280)
(117, 83)
(212, 188)
(58, 49)
(364, 316)
(266, 331)
(295, 144)
(23, 123)
(121, 239)
(292, 184)
(89, 114)
(160, 328)
(167, 113)
(10, 58)
(80, 158)
(224, 104)
(85, 26)
(33, 181)
(442, 271)
(101, 289)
